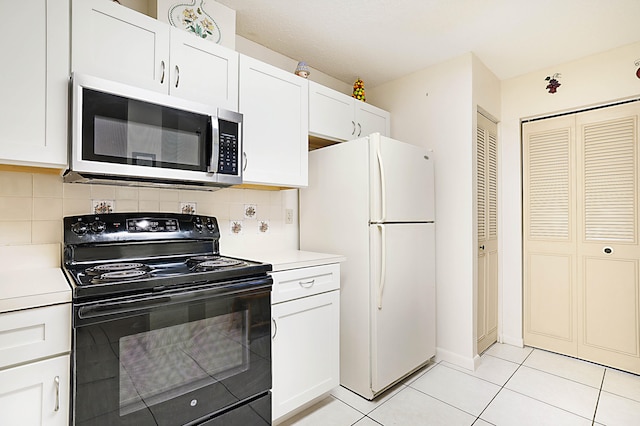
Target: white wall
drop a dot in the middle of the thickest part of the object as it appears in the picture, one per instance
(434, 108)
(594, 80)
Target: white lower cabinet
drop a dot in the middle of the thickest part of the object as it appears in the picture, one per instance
(36, 393)
(34, 366)
(306, 338)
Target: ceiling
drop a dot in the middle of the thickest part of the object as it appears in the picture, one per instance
(381, 40)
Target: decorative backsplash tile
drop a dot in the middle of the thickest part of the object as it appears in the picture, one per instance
(188, 208)
(235, 227)
(263, 226)
(103, 206)
(250, 211)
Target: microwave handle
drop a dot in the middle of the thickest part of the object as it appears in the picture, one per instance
(215, 146)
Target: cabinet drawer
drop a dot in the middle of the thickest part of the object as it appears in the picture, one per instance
(295, 283)
(34, 333)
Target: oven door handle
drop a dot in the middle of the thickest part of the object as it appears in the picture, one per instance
(122, 308)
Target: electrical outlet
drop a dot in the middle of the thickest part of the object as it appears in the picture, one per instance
(288, 216)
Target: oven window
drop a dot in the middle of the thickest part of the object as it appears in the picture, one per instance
(173, 363)
(162, 364)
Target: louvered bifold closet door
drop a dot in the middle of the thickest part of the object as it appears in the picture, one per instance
(608, 252)
(549, 212)
(487, 212)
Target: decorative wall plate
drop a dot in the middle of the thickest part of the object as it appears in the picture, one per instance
(193, 17)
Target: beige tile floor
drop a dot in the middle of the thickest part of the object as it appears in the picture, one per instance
(512, 386)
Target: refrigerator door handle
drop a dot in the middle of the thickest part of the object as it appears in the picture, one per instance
(383, 263)
(383, 204)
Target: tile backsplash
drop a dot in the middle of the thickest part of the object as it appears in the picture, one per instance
(32, 206)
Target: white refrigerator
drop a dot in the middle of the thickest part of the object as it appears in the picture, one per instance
(372, 200)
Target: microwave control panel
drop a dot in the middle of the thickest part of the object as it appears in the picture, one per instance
(228, 141)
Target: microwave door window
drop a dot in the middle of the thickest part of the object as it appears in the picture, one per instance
(132, 132)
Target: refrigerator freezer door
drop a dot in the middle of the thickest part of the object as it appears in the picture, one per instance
(401, 181)
(402, 301)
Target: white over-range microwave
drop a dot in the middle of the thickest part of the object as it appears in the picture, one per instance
(126, 135)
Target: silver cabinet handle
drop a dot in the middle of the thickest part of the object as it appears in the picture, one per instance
(307, 284)
(244, 156)
(56, 380)
(162, 66)
(177, 76)
(275, 328)
(353, 132)
(359, 129)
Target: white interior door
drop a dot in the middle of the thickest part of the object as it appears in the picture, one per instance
(402, 300)
(581, 252)
(549, 208)
(401, 181)
(608, 255)
(487, 209)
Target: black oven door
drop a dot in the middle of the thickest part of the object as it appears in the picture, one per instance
(174, 358)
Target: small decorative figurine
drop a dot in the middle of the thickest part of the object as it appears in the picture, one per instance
(302, 70)
(358, 90)
(553, 85)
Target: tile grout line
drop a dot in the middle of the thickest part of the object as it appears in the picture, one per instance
(595, 411)
(535, 399)
(503, 385)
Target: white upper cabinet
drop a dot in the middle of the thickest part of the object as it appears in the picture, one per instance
(120, 44)
(203, 71)
(336, 116)
(35, 83)
(370, 119)
(275, 105)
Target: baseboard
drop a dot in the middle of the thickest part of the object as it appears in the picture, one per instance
(468, 363)
(513, 341)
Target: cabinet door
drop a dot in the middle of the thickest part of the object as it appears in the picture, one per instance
(331, 113)
(35, 81)
(203, 71)
(371, 119)
(117, 43)
(305, 349)
(36, 393)
(275, 104)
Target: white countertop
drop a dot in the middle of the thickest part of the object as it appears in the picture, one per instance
(283, 260)
(48, 286)
(20, 289)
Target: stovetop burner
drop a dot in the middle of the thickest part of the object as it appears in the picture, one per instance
(116, 267)
(217, 263)
(120, 276)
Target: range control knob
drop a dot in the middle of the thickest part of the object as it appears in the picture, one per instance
(79, 228)
(210, 225)
(198, 223)
(98, 227)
